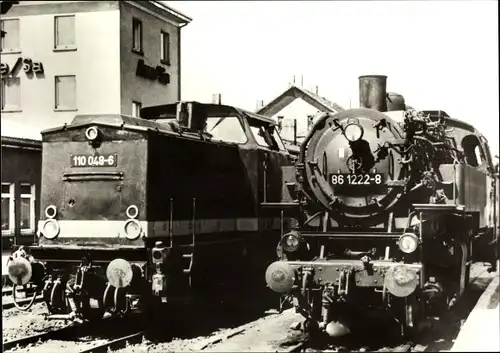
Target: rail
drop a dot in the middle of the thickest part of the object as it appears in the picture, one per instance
(76, 330)
(66, 331)
(119, 343)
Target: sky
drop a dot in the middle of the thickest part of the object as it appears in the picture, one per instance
(438, 54)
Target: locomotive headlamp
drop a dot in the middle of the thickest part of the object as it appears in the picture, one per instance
(132, 229)
(51, 211)
(401, 280)
(92, 133)
(280, 277)
(353, 132)
(408, 243)
(159, 253)
(50, 228)
(291, 241)
(119, 273)
(132, 211)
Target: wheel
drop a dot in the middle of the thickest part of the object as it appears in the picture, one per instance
(311, 327)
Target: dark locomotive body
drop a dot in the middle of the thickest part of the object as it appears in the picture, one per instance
(391, 208)
(164, 207)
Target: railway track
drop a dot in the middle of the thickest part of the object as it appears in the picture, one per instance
(39, 338)
(118, 343)
(305, 347)
(77, 335)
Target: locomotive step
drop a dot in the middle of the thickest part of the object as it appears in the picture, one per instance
(190, 256)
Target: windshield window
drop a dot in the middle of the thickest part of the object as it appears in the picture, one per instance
(227, 129)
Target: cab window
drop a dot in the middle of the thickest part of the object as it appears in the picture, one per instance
(472, 151)
(226, 129)
(259, 133)
(264, 135)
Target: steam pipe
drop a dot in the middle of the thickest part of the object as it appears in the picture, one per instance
(308, 137)
(16, 304)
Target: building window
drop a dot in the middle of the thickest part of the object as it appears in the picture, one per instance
(11, 94)
(137, 36)
(136, 109)
(65, 92)
(64, 33)
(165, 48)
(7, 208)
(10, 41)
(27, 208)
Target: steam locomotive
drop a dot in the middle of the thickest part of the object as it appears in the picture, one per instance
(161, 209)
(390, 208)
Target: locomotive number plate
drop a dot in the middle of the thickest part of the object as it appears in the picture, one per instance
(103, 160)
(357, 179)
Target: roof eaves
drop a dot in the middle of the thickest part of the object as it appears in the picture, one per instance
(161, 4)
(276, 101)
(291, 94)
(327, 104)
(20, 141)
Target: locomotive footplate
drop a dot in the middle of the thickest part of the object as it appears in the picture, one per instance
(364, 274)
(97, 254)
(346, 235)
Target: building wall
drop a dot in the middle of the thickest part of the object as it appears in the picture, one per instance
(135, 88)
(95, 62)
(20, 165)
(296, 110)
(104, 66)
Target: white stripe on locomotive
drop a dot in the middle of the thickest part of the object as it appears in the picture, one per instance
(112, 229)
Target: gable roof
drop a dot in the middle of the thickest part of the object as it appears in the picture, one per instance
(291, 94)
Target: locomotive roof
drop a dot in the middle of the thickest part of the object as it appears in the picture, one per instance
(110, 120)
(154, 112)
(170, 111)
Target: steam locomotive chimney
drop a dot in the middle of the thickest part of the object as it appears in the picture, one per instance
(372, 92)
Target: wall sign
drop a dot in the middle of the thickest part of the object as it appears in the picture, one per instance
(152, 73)
(29, 67)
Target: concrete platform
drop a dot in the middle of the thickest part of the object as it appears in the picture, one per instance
(481, 331)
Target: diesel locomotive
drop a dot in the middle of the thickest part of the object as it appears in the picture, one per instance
(390, 207)
(155, 210)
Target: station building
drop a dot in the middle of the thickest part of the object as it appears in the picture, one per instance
(295, 123)
(64, 58)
